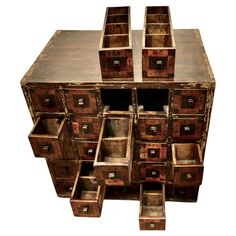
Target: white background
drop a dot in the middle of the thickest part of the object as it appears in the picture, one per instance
(28, 203)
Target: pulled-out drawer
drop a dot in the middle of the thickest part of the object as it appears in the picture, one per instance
(86, 150)
(155, 152)
(113, 161)
(49, 138)
(187, 164)
(152, 206)
(87, 197)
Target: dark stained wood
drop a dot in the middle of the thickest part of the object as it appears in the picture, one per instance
(86, 150)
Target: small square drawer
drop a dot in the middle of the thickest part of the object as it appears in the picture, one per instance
(187, 164)
(189, 101)
(86, 128)
(64, 187)
(46, 99)
(113, 161)
(81, 101)
(187, 129)
(86, 150)
(152, 206)
(87, 197)
(153, 129)
(155, 152)
(49, 138)
(153, 172)
(63, 168)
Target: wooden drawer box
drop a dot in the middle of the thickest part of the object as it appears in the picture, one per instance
(187, 164)
(152, 206)
(86, 127)
(115, 49)
(187, 128)
(49, 138)
(158, 46)
(153, 129)
(81, 101)
(188, 101)
(64, 187)
(87, 197)
(113, 160)
(86, 150)
(46, 99)
(153, 172)
(86, 169)
(153, 152)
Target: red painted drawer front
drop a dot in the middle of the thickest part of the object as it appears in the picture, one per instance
(86, 150)
(81, 101)
(46, 100)
(153, 129)
(86, 128)
(187, 129)
(152, 152)
(189, 101)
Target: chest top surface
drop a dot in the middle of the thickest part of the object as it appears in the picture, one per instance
(72, 57)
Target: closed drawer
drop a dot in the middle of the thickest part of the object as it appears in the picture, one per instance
(155, 152)
(87, 197)
(46, 99)
(86, 128)
(153, 172)
(113, 160)
(187, 164)
(81, 101)
(187, 129)
(64, 187)
(86, 150)
(63, 168)
(49, 138)
(152, 206)
(189, 101)
(153, 129)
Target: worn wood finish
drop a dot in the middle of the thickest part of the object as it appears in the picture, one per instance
(86, 150)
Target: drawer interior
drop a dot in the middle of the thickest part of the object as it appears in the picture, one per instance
(158, 40)
(86, 169)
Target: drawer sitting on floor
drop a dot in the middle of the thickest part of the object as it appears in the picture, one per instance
(152, 206)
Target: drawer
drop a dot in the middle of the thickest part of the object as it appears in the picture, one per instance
(49, 138)
(113, 160)
(153, 172)
(153, 129)
(81, 101)
(64, 187)
(152, 206)
(189, 101)
(155, 152)
(63, 168)
(86, 169)
(115, 48)
(187, 164)
(87, 197)
(181, 193)
(86, 150)
(187, 129)
(86, 128)
(46, 99)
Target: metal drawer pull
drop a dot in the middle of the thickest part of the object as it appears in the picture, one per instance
(153, 173)
(81, 102)
(46, 148)
(85, 209)
(90, 151)
(116, 64)
(153, 151)
(152, 225)
(186, 128)
(153, 130)
(85, 127)
(188, 176)
(191, 102)
(111, 175)
(70, 188)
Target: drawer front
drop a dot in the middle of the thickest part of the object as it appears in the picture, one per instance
(81, 101)
(189, 101)
(152, 224)
(153, 152)
(187, 176)
(46, 100)
(64, 187)
(153, 129)
(153, 172)
(187, 129)
(63, 169)
(86, 128)
(86, 209)
(86, 150)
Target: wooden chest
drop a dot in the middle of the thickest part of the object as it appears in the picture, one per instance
(111, 128)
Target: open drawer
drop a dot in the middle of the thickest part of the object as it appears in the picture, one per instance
(87, 197)
(152, 206)
(187, 164)
(113, 160)
(49, 138)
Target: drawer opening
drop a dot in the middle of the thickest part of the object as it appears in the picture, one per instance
(157, 10)
(115, 41)
(117, 99)
(117, 11)
(47, 126)
(153, 100)
(121, 28)
(115, 128)
(158, 29)
(87, 169)
(186, 154)
(158, 40)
